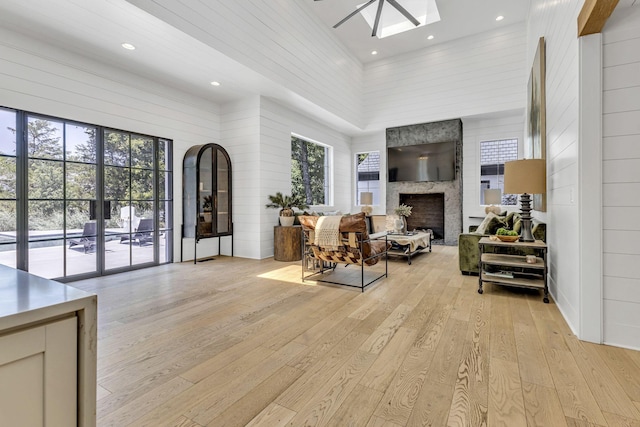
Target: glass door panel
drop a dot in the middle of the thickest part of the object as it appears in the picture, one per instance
(8, 232)
(46, 239)
(223, 200)
(81, 238)
(45, 258)
(116, 148)
(80, 181)
(81, 193)
(8, 195)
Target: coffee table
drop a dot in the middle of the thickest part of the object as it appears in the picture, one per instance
(410, 244)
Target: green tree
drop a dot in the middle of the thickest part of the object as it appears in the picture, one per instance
(308, 171)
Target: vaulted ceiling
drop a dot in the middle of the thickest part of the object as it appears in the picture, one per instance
(170, 57)
(458, 18)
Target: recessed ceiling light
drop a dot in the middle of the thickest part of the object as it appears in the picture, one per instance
(430, 37)
(215, 83)
(374, 52)
(500, 18)
(128, 46)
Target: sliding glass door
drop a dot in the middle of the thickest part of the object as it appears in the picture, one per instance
(94, 200)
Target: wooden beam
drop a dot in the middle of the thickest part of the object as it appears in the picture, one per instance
(594, 15)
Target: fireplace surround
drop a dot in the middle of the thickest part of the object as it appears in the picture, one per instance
(450, 191)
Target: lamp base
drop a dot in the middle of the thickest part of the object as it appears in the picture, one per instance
(525, 206)
(367, 209)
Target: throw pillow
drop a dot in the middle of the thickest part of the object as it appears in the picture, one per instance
(483, 225)
(491, 223)
(517, 225)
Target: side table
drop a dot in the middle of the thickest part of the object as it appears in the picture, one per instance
(518, 272)
(287, 243)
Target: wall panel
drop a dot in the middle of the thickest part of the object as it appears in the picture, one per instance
(476, 130)
(621, 179)
(469, 76)
(274, 38)
(556, 21)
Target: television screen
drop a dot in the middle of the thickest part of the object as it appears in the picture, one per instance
(423, 162)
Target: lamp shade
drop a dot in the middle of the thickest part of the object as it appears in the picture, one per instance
(525, 176)
(492, 196)
(366, 198)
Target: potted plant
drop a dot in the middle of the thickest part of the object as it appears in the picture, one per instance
(286, 205)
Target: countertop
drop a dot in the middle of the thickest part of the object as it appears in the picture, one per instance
(23, 295)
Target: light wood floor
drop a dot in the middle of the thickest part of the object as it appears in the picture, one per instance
(236, 342)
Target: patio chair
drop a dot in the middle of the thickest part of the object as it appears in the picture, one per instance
(88, 238)
(143, 233)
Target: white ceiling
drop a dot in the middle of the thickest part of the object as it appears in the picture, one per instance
(95, 29)
(458, 18)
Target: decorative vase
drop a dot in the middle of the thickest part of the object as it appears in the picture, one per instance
(399, 225)
(206, 216)
(287, 221)
(405, 229)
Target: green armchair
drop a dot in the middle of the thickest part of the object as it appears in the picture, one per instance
(468, 242)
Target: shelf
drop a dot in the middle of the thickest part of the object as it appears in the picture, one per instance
(512, 261)
(517, 271)
(516, 281)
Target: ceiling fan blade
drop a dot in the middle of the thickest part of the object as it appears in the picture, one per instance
(355, 12)
(377, 21)
(404, 11)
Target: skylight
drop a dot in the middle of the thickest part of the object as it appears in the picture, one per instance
(393, 22)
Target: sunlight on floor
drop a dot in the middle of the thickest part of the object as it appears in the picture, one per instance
(289, 274)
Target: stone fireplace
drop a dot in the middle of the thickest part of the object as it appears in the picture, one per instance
(432, 199)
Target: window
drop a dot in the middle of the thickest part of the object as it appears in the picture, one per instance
(67, 187)
(493, 155)
(310, 171)
(368, 175)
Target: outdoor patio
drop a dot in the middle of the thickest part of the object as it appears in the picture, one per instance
(48, 261)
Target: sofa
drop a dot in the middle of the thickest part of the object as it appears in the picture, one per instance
(468, 242)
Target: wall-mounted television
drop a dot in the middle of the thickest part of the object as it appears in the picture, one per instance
(422, 162)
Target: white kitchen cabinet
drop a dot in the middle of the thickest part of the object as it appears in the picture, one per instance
(47, 352)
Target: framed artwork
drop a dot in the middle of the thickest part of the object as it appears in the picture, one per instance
(536, 113)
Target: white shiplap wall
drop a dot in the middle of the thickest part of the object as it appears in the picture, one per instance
(41, 78)
(272, 173)
(621, 178)
(274, 38)
(240, 135)
(556, 21)
(509, 125)
(469, 76)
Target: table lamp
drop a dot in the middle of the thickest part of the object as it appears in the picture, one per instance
(525, 177)
(366, 200)
(492, 196)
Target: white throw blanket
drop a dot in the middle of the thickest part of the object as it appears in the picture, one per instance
(328, 232)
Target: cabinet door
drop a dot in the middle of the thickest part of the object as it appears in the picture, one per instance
(223, 193)
(38, 372)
